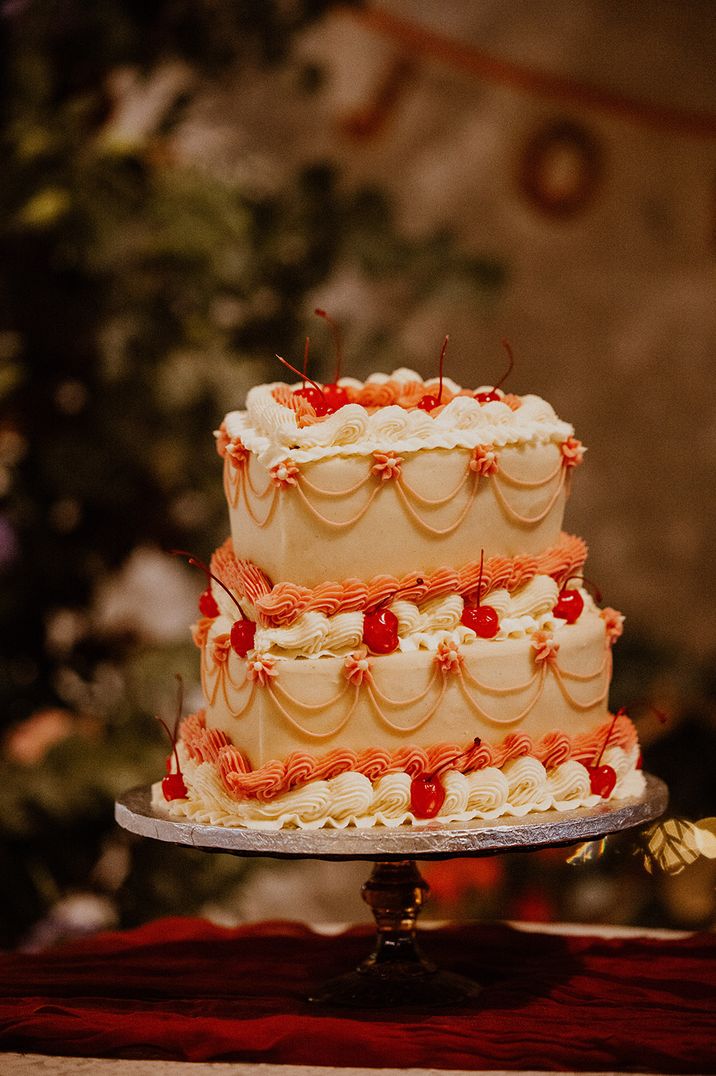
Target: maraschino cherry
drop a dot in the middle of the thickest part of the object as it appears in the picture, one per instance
(428, 401)
(173, 786)
(207, 604)
(310, 392)
(603, 778)
(380, 626)
(482, 619)
(492, 394)
(243, 630)
(427, 792)
(333, 393)
(570, 602)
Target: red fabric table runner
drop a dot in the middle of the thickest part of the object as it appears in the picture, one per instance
(183, 989)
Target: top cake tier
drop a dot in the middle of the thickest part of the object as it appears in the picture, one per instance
(381, 486)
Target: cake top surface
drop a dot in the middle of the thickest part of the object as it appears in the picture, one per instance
(383, 413)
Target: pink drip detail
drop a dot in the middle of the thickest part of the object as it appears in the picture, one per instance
(511, 513)
(311, 733)
(375, 695)
(540, 676)
(278, 777)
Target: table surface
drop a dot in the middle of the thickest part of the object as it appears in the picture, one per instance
(26, 1064)
(40, 1065)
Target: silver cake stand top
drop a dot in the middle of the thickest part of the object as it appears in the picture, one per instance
(431, 840)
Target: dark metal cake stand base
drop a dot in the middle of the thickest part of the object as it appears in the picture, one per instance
(396, 974)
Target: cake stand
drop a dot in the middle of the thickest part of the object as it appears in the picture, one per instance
(396, 973)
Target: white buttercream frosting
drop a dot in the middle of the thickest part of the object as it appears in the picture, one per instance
(315, 634)
(271, 431)
(522, 786)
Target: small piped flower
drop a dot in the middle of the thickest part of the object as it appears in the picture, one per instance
(613, 624)
(284, 474)
(572, 452)
(448, 656)
(484, 461)
(356, 668)
(260, 667)
(222, 439)
(200, 631)
(387, 465)
(545, 648)
(221, 648)
(237, 452)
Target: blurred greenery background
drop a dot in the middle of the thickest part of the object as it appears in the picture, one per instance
(161, 236)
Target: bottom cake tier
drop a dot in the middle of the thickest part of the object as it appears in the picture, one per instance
(456, 733)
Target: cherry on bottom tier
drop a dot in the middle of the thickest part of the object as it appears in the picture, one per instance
(460, 732)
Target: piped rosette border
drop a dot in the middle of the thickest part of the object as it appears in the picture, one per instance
(383, 411)
(344, 788)
(299, 621)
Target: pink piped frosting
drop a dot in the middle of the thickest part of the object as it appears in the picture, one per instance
(356, 668)
(281, 605)
(260, 667)
(613, 623)
(545, 647)
(572, 452)
(298, 768)
(387, 465)
(484, 461)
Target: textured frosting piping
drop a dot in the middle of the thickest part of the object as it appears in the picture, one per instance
(273, 431)
(281, 605)
(350, 798)
(277, 777)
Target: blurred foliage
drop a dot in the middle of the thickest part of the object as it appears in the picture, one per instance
(138, 298)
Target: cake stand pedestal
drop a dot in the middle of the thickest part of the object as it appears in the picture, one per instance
(396, 973)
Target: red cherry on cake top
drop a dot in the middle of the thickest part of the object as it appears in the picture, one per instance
(427, 792)
(427, 795)
(334, 394)
(207, 604)
(569, 605)
(482, 619)
(602, 776)
(602, 780)
(173, 786)
(380, 631)
(492, 395)
(242, 636)
(244, 629)
(380, 626)
(429, 402)
(310, 392)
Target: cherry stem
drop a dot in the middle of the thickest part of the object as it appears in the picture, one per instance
(451, 762)
(337, 340)
(508, 371)
(389, 597)
(173, 735)
(303, 375)
(443, 349)
(195, 563)
(620, 713)
(596, 592)
(305, 359)
(479, 578)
